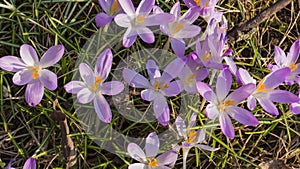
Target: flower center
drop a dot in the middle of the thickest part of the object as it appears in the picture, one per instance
(98, 80)
(152, 162)
(157, 85)
(206, 56)
(191, 137)
(176, 27)
(140, 19)
(115, 7)
(293, 66)
(197, 2)
(262, 88)
(35, 71)
(223, 105)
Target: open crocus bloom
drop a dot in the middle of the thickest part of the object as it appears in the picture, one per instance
(159, 87)
(93, 86)
(265, 92)
(31, 71)
(29, 164)
(149, 160)
(137, 21)
(222, 105)
(290, 60)
(191, 73)
(180, 28)
(111, 9)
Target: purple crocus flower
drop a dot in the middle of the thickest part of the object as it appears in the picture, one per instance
(265, 92)
(137, 21)
(93, 86)
(181, 27)
(111, 9)
(295, 107)
(192, 73)
(290, 60)
(30, 163)
(159, 87)
(221, 104)
(10, 163)
(149, 159)
(191, 137)
(29, 70)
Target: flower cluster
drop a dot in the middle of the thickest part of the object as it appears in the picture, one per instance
(185, 73)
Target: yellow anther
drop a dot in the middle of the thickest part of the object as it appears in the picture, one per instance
(206, 56)
(191, 78)
(176, 27)
(35, 74)
(165, 86)
(197, 2)
(222, 105)
(192, 136)
(262, 88)
(140, 19)
(229, 103)
(156, 84)
(152, 162)
(115, 7)
(35, 71)
(293, 66)
(98, 79)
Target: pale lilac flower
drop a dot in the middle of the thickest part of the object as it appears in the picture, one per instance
(93, 86)
(29, 70)
(222, 105)
(137, 21)
(111, 9)
(295, 107)
(149, 160)
(191, 73)
(290, 60)
(265, 92)
(192, 138)
(159, 87)
(30, 163)
(181, 27)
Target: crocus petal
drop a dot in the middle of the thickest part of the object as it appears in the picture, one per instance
(241, 115)
(158, 19)
(85, 95)
(175, 10)
(103, 19)
(129, 37)
(137, 166)
(34, 93)
(103, 64)
(52, 56)
(226, 125)
(146, 34)
(152, 70)
(161, 110)
(178, 46)
(102, 109)
(193, 119)
(173, 90)
(12, 63)
(152, 145)
(127, 7)
(134, 79)
(112, 88)
(245, 77)
(167, 158)
(268, 106)
(74, 87)
(181, 128)
(28, 55)
(295, 108)
(22, 77)
(148, 94)
(172, 70)
(123, 20)
(189, 31)
(279, 56)
(205, 147)
(241, 93)
(190, 3)
(206, 92)
(48, 79)
(145, 7)
(282, 96)
(277, 77)
(87, 74)
(191, 15)
(224, 82)
(212, 111)
(136, 152)
(294, 52)
(251, 102)
(30, 163)
(200, 136)
(105, 5)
